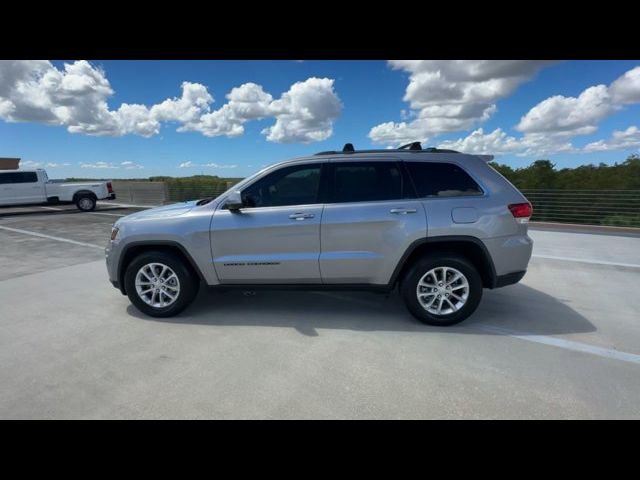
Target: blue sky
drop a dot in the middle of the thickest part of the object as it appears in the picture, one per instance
(363, 95)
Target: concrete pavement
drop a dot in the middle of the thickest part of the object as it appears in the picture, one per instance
(71, 346)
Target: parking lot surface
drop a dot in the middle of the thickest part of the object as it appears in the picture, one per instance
(564, 343)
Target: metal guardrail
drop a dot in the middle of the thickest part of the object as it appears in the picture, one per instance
(588, 207)
(142, 193)
(179, 191)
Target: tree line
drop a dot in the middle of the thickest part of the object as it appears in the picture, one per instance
(590, 194)
(542, 174)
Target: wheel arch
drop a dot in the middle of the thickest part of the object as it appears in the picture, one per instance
(469, 247)
(134, 249)
(82, 193)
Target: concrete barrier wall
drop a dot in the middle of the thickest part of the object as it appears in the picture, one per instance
(141, 193)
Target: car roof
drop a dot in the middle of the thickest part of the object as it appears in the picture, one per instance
(387, 154)
(413, 150)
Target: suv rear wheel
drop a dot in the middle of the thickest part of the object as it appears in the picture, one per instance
(86, 203)
(159, 284)
(442, 290)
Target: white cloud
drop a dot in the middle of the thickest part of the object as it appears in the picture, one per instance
(98, 165)
(131, 165)
(550, 126)
(305, 113)
(193, 103)
(626, 89)
(30, 164)
(578, 115)
(452, 95)
(581, 115)
(620, 140)
(246, 102)
(190, 164)
(217, 165)
(498, 142)
(76, 97)
(477, 142)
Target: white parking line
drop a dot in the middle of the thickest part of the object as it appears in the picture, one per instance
(53, 208)
(566, 344)
(50, 237)
(587, 260)
(110, 214)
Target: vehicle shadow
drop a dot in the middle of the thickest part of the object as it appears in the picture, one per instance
(516, 308)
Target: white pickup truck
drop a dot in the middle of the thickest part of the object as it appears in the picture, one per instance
(33, 187)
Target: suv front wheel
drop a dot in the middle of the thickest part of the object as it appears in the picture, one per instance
(442, 289)
(159, 284)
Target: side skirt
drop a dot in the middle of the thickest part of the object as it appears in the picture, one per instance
(302, 287)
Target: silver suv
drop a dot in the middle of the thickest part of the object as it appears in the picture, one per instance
(437, 224)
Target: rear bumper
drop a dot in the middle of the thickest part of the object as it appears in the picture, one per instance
(510, 254)
(509, 279)
(112, 196)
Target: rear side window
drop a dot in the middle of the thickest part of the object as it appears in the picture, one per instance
(441, 180)
(366, 182)
(18, 177)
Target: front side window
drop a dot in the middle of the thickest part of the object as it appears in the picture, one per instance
(366, 182)
(433, 179)
(295, 185)
(28, 177)
(19, 177)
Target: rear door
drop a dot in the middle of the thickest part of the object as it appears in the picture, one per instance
(370, 219)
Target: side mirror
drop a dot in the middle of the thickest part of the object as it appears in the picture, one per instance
(234, 201)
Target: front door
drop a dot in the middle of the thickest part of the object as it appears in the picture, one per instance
(275, 237)
(21, 188)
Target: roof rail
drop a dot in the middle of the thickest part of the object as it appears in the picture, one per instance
(439, 150)
(413, 146)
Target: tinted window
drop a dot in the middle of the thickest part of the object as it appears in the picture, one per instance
(297, 185)
(441, 180)
(18, 177)
(365, 182)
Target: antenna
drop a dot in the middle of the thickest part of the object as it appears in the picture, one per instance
(348, 147)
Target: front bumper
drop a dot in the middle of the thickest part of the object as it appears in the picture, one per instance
(112, 256)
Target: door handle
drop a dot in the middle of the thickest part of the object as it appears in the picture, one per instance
(301, 216)
(402, 211)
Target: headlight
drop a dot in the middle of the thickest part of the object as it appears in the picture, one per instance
(114, 233)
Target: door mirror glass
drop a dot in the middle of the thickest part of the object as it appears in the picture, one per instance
(233, 201)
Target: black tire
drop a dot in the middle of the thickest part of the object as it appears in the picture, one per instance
(409, 286)
(86, 203)
(188, 283)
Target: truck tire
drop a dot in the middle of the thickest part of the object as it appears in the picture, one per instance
(159, 284)
(442, 289)
(86, 203)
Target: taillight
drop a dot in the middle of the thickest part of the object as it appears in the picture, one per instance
(109, 187)
(521, 211)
